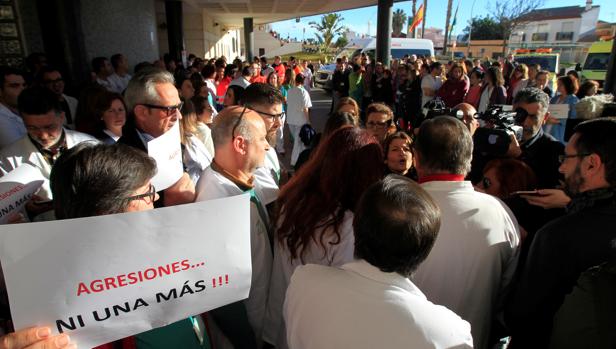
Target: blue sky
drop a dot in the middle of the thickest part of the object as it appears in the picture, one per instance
(357, 20)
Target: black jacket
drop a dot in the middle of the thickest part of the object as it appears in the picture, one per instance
(340, 82)
(559, 253)
(541, 155)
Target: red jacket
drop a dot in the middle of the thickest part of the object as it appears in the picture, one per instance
(453, 91)
(221, 89)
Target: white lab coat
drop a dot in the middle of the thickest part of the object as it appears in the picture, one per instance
(474, 256)
(72, 106)
(283, 267)
(267, 177)
(23, 151)
(213, 185)
(358, 306)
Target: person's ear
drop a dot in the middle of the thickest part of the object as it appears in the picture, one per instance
(141, 112)
(593, 165)
(239, 145)
(545, 118)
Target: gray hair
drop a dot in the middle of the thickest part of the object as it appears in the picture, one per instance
(224, 123)
(444, 144)
(533, 95)
(142, 87)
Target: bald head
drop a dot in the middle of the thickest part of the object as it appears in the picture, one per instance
(235, 121)
(468, 118)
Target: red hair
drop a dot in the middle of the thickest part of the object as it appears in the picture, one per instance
(513, 175)
(330, 183)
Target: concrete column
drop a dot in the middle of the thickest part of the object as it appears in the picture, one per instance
(175, 29)
(249, 39)
(383, 31)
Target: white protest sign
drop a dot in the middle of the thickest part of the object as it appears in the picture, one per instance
(103, 278)
(16, 189)
(559, 111)
(167, 151)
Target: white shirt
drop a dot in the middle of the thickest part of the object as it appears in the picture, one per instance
(213, 185)
(432, 83)
(267, 177)
(12, 126)
(119, 83)
(308, 78)
(106, 84)
(484, 101)
(196, 158)
(298, 99)
(240, 82)
(283, 267)
(474, 256)
(358, 306)
(23, 151)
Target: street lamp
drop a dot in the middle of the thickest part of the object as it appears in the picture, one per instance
(470, 32)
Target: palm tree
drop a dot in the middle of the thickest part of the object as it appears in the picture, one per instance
(448, 17)
(329, 27)
(398, 20)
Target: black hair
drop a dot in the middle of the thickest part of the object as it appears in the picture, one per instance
(96, 179)
(98, 63)
(115, 60)
(337, 120)
(396, 223)
(38, 100)
(230, 70)
(597, 136)
(261, 94)
(238, 93)
(6, 71)
(208, 71)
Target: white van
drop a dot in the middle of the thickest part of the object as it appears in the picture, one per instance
(399, 48)
(403, 46)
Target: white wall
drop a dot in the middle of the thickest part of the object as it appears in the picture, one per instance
(580, 26)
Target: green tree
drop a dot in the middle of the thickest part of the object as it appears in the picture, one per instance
(397, 22)
(329, 26)
(341, 42)
(485, 28)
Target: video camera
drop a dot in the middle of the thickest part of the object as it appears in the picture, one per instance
(437, 107)
(498, 125)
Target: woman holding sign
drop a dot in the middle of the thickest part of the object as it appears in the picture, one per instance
(94, 180)
(565, 95)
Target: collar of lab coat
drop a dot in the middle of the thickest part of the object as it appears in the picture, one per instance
(367, 270)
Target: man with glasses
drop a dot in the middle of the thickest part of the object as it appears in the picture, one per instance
(539, 150)
(12, 83)
(568, 246)
(44, 142)
(240, 143)
(380, 121)
(154, 106)
(267, 102)
(51, 78)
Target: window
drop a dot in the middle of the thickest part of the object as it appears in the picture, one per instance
(564, 36)
(539, 37)
(261, 52)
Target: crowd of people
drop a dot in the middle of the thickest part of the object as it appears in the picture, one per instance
(394, 227)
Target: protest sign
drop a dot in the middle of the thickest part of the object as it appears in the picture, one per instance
(17, 188)
(166, 150)
(103, 278)
(559, 111)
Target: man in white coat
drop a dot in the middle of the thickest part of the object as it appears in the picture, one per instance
(45, 140)
(370, 302)
(474, 256)
(240, 145)
(267, 102)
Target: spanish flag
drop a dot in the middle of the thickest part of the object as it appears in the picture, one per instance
(415, 21)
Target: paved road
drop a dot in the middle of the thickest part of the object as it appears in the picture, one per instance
(321, 104)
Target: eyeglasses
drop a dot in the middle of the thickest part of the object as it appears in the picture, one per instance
(486, 182)
(562, 158)
(151, 193)
(238, 122)
(170, 110)
(378, 125)
(273, 116)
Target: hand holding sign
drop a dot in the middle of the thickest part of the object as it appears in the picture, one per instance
(35, 338)
(16, 190)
